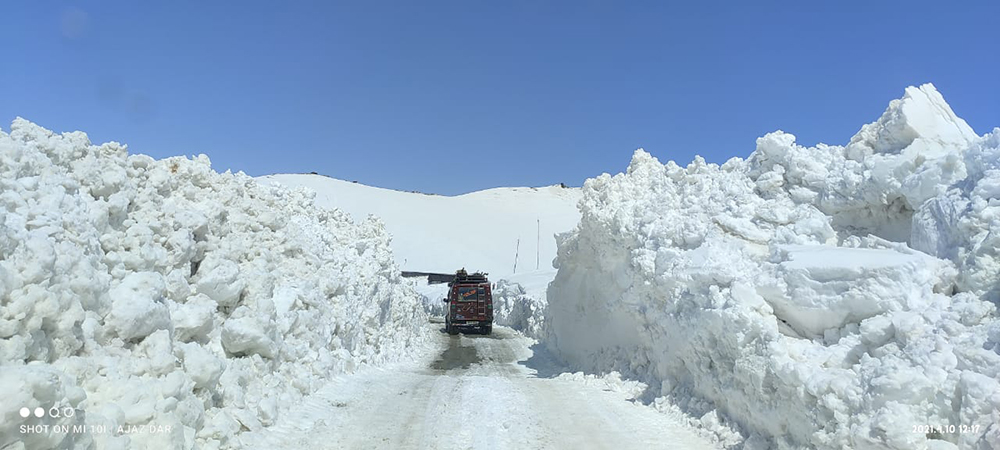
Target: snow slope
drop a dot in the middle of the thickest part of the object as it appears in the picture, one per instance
(826, 297)
(164, 298)
(478, 231)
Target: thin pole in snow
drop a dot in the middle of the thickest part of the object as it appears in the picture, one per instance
(517, 248)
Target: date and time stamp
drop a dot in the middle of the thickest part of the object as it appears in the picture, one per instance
(946, 429)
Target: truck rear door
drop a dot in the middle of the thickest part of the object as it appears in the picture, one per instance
(472, 304)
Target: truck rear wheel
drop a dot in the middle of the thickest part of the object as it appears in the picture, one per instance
(488, 329)
(449, 328)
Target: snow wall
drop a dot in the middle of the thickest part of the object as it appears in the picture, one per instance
(519, 302)
(826, 297)
(161, 293)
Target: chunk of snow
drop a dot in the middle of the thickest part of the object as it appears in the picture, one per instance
(194, 319)
(826, 287)
(137, 307)
(221, 281)
(201, 365)
(246, 336)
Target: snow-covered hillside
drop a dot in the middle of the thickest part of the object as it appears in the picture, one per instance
(183, 305)
(479, 231)
(788, 295)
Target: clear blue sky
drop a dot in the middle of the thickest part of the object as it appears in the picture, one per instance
(450, 97)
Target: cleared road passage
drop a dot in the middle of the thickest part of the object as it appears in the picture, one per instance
(479, 392)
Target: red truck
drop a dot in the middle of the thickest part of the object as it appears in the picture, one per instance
(470, 303)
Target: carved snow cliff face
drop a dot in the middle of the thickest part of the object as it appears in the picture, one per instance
(826, 297)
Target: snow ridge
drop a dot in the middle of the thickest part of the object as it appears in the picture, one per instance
(824, 297)
(145, 292)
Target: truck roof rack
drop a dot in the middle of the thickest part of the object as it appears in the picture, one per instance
(462, 277)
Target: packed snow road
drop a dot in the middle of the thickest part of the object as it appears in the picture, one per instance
(474, 392)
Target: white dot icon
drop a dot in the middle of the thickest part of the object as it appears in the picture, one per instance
(39, 412)
(25, 412)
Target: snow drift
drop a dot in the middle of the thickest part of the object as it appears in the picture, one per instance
(825, 297)
(161, 293)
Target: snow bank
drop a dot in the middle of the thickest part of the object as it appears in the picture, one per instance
(519, 302)
(783, 295)
(432, 296)
(161, 293)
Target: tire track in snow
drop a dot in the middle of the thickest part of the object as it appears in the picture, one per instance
(474, 392)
